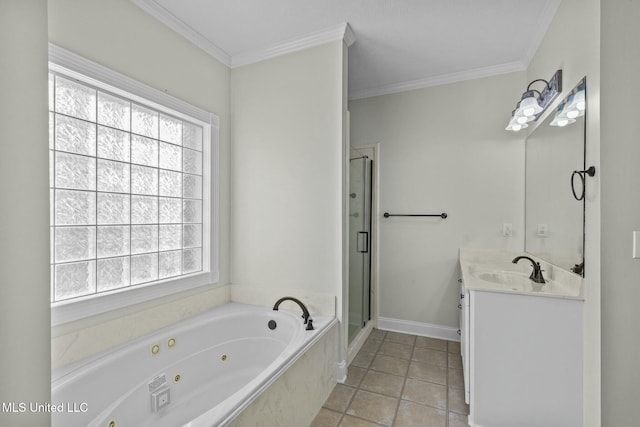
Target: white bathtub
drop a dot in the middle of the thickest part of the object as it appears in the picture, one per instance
(213, 366)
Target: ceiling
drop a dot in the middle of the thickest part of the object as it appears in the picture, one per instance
(399, 44)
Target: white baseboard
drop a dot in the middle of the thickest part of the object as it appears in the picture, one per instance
(415, 328)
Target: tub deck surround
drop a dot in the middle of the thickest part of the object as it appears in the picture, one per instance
(80, 340)
(266, 296)
(489, 270)
(209, 367)
(296, 397)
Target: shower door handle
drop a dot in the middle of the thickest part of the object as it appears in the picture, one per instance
(362, 242)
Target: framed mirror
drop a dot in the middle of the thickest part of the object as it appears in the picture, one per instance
(554, 184)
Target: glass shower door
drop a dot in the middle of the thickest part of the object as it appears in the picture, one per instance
(359, 244)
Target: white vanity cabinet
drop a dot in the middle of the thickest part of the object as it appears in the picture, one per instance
(463, 306)
(522, 357)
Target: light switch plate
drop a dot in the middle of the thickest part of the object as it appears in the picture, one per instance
(636, 244)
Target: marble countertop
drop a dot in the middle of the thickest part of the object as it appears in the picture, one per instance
(493, 271)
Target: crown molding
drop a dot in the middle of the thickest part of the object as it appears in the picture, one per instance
(546, 17)
(349, 36)
(341, 32)
(167, 18)
(345, 33)
(476, 73)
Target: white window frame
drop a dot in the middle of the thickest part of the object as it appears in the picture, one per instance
(72, 65)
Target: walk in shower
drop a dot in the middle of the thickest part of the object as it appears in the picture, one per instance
(360, 190)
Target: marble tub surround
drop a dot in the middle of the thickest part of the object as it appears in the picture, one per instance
(478, 266)
(82, 339)
(266, 296)
(294, 398)
(220, 372)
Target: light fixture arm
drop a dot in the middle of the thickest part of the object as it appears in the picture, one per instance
(546, 83)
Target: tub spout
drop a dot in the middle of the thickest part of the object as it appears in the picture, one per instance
(305, 313)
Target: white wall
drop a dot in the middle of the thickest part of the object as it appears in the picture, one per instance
(572, 43)
(442, 149)
(24, 251)
(287, 173)
(620, 180)
(121, 36)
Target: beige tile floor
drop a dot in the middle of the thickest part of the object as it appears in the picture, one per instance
(399, 380)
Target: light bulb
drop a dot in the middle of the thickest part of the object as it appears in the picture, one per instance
(573, 114)
(529, 105)
(561, 118)
(527, 108)
(581, 103)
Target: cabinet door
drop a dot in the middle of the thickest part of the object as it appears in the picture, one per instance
(526, 360)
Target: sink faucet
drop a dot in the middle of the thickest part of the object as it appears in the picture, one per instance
(536, 275)
(305, 313)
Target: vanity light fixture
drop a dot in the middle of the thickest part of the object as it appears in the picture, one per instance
(521, 118)
(574, 107)
(561, 119)
(530, 107)
(577, 105)
(517, 122)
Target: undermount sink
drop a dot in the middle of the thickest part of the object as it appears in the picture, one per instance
(509, 279)
(517, 281)
(494, 271)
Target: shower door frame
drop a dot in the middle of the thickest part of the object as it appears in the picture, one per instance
(363, 243)
(353, 347)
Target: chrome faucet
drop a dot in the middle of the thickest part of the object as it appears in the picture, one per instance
(305, 313)
(536, 274)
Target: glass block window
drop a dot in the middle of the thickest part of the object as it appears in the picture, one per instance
(126, 184)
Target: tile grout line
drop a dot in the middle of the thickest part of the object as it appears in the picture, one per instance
(375, 353)
(404, 383)
(358, 388)
(405, 377)
(446, 420)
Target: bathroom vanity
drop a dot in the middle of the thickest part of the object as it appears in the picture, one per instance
(521, 342)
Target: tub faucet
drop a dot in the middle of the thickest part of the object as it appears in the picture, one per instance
(536, 274)
(305, 313)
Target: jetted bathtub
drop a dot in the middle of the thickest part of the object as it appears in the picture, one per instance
(200, 372)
